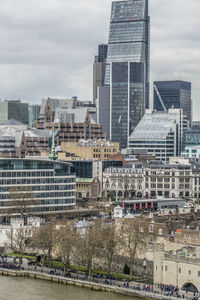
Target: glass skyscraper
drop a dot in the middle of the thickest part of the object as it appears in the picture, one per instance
(127, 67)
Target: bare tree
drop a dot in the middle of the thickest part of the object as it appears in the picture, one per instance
(110, 242)
(18, 240)
(45, 240)
(90, 244)
(133, 237)
(66, 242)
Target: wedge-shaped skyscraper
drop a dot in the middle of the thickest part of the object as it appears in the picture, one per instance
(127, 69)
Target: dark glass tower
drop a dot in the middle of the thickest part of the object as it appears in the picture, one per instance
(129, 37)
(127, 67)
(176, 94)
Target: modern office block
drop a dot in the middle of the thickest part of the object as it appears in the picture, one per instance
(33, 113)
(50, 186)
(103, 109)
(176, 94)
(160, 133)
(127, 100)
(14, 109)
(127, 69)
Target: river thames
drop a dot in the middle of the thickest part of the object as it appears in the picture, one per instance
(28, 289)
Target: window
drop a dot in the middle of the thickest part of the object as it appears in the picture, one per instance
(179, 270)
(198, 273)
(150, 228)
(150, 247)
(189, 272)
(160, 232)
(166, 268)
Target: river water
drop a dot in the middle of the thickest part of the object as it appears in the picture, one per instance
(30, 289)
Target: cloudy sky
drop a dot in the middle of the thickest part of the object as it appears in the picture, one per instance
(47, 47)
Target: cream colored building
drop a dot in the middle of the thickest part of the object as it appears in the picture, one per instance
(179, 268)
(99, 149)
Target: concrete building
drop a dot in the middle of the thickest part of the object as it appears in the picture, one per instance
(160, 133)
(90, 149)
(33, 114)
(14, 109)
(17, 140)
(71, 121)
(175, 94)
(49, 187)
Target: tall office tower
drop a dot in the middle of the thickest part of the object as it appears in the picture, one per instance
(99, 69)
(176, 94)
(14, 109)
(127, 67)
(33, 114)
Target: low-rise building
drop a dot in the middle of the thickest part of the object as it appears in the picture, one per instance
(36, 187)
(192, 152)
(88, 188)
(90, 149)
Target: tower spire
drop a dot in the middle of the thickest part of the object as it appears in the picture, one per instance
(53, 155)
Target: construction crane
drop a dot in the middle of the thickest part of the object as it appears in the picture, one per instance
(159, 97)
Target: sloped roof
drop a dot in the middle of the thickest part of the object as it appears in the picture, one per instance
(77, 115)
(154, 126)
(11, 122)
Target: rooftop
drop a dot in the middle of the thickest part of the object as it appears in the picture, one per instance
(155, 126)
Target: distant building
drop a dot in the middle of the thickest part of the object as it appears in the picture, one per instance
(17, 140)
(90, 149)
(14, 109)
(34, 112)
(192, 152)
(176, 94)
(160, 133)
(99, 69)
(70, 119)
(88, 188)
(191, 137)
(50, 187)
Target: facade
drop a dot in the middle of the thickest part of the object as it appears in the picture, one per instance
(99, 69)
(192, 152)
(175, 94)
(70, 121)
(34, 112)
(191, 137)
(169, 180)
(179, 268)
(17, 140)
(48, 187)
(123, 183)
(127, 93)
(14, 109)
(99, 149)
(160, 133)
(127, 69)
(88, 188)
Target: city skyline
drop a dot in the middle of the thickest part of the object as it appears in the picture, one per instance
(36, 60)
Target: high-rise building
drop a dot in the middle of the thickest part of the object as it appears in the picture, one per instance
(176, 94)
(33, 114)
(99, 69)
(14, 109)
(127, 68)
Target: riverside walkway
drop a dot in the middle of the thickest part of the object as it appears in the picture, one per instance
(134, 289)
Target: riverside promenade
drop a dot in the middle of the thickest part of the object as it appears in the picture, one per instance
(133, 289)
